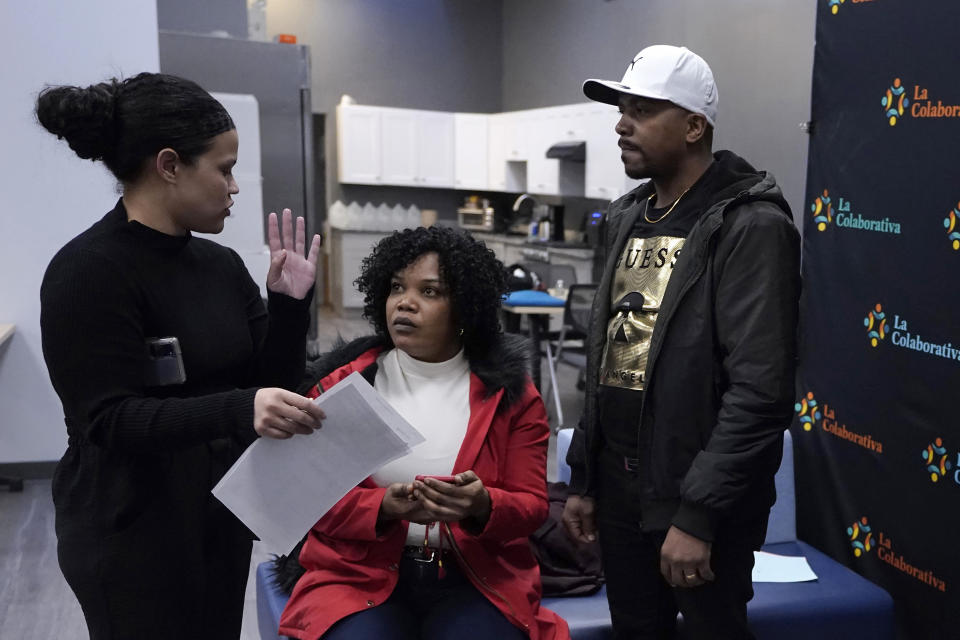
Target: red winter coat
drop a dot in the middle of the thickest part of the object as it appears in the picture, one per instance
(350, 568)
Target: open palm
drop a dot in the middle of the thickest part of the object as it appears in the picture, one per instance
(291, 273)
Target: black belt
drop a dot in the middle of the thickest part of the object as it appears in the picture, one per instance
(630, 463)
(427, 555)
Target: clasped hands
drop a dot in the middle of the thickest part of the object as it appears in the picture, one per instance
(430, 500)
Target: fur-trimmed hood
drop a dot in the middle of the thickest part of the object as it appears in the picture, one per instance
(505, 366)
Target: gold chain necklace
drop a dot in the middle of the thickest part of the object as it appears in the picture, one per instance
(646, 206)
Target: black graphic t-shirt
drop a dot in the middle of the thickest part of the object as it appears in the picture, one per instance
(639, 282)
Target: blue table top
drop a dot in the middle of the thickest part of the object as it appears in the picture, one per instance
(532, 298)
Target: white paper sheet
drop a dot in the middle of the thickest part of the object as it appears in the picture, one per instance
(280, 488)
(770, 567)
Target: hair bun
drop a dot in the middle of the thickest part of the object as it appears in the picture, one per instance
(82, 116)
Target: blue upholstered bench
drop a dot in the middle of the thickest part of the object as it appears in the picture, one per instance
(840, 603)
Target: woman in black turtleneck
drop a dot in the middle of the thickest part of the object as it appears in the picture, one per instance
(143, 544)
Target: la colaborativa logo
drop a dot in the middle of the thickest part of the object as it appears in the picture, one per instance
(860, 534)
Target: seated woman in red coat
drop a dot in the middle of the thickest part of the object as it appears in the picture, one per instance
(400, 558)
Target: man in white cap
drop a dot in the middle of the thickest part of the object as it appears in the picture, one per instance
(690, 373)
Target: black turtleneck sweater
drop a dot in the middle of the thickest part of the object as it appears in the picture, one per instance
(103, 295)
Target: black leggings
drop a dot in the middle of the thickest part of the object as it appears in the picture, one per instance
(157, 580)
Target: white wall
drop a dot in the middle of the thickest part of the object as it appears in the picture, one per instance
(47, 194)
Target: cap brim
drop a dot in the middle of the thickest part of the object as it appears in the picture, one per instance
(606, 91)
(609, 92)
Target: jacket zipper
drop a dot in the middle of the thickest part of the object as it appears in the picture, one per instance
(466, 565)
(683, 291)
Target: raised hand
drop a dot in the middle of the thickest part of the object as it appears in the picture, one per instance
(291, 273)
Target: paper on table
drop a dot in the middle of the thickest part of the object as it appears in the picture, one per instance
(770, 567)
(280, 488)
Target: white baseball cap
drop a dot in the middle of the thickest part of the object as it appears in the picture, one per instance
(663, 72)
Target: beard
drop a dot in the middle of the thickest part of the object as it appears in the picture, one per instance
(637, 172)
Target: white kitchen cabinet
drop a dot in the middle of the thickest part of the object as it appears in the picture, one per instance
(572, 123)
(388, 146)
(358, 144)
(551, 126)
(399, 138)
(471, 166)
(497, 152)
(518, 134)
(435, 149)
(505, 173)
(604, 177)
(543, 174)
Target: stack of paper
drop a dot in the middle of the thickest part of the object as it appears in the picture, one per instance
(280, 488)
(770, 567)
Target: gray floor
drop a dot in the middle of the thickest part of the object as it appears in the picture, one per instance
(35, 601)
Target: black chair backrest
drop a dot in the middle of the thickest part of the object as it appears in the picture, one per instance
(548, 274)
(576, 313)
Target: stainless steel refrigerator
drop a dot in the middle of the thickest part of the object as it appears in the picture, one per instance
(278, 75)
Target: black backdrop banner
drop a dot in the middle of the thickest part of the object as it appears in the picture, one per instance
(876, 431)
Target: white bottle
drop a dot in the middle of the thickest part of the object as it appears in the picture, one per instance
(384, 220)
(398, 217)
(354, 216)
(337, 215)
(544, 230)
(561, 290)
(413, 217)
(369, 217)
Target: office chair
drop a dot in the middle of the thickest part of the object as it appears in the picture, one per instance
(576, 319)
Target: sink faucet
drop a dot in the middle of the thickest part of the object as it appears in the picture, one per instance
(523, 197)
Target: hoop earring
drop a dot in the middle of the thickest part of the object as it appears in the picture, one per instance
(461, 332)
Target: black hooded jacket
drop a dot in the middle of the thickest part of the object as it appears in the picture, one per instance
(720, 372)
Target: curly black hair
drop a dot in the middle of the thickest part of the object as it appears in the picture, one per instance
(470, 271)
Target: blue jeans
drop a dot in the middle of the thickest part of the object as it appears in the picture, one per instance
(425, 606)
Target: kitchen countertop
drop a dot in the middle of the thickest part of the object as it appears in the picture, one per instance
(499, 237)
(574, 250)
